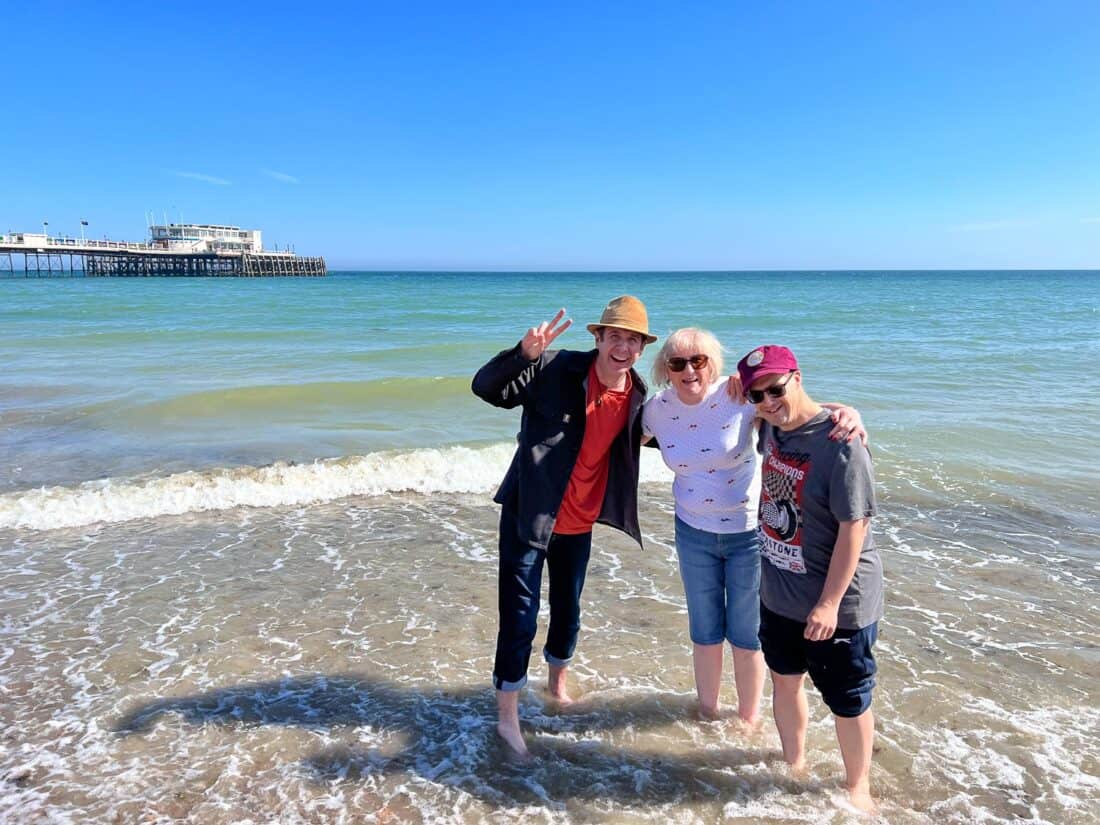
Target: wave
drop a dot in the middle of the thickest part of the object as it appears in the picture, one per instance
(453, 469)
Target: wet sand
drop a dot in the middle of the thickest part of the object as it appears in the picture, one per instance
(331, 664)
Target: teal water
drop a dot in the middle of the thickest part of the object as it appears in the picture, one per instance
(986, 379)
(248, 554)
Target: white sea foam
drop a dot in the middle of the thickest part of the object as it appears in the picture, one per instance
(454, 469)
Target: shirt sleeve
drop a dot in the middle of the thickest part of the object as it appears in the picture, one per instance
(509, 379)
(852, 484)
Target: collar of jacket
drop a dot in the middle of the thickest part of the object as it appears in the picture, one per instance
(582, 364)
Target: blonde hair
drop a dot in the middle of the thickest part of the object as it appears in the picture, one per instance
(690, 341)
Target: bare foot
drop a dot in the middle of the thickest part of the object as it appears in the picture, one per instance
(513, 738)
(860, 797)
(563, 699)
(799, 769)
(708, 714)
(750, 727)
(749, 715)
(556, 686)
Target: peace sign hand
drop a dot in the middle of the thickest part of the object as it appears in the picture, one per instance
(538, 338)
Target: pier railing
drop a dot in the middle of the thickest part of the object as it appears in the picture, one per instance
(66, 243)
(126, 258)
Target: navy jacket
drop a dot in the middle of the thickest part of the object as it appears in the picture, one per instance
(552, 391)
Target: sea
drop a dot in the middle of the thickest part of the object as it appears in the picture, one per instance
(248, 554)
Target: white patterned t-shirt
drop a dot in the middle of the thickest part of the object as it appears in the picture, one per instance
(710, 446)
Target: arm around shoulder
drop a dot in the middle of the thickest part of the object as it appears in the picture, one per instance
(509, 379)
(848, 423)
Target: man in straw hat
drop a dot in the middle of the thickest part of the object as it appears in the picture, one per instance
(576, 464)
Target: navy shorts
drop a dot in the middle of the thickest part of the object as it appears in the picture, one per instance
(842, 668)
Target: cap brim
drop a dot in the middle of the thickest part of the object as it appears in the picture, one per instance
(756, 374)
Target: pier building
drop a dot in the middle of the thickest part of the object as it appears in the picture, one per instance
(204, 237)
(172, 249)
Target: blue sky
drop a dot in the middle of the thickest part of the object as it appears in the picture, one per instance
(413, 135)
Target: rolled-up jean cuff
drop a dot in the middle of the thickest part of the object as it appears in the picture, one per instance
(509, 687)
(554, 660)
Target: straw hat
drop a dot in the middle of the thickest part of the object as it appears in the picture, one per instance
(625, 312)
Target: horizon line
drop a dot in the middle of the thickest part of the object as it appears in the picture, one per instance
(527, 270)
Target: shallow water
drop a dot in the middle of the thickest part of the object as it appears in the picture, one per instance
(331, 664)
(247, 555)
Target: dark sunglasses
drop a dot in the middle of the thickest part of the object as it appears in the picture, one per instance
(775, 391)
(677, 364)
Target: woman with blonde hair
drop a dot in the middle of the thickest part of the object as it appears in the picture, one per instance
(706, 435)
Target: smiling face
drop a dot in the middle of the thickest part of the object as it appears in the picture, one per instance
(691, 383)
(782, 412)
(617, 351)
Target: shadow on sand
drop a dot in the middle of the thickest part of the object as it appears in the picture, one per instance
(449, 737)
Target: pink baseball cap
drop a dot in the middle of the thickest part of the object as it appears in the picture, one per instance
(770, 359)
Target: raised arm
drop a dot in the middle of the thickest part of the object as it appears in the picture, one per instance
(506, 380)
(539, 338)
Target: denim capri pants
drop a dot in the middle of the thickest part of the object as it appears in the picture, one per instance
(721, 575)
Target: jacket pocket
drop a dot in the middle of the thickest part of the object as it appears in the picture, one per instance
(552, 439)
(551, 422)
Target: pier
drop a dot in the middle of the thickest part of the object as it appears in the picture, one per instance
(174, 250)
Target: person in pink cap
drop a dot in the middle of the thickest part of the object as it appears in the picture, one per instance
(707, 436)
(821, 589)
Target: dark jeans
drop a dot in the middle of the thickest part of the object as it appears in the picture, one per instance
(520, 578)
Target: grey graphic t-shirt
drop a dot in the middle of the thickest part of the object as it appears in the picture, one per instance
(810, 485)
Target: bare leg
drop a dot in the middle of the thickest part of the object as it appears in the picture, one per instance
(748, 675)
(508, 721)
(557, 685)
(856, 736)
(707, 660)
(791, 717)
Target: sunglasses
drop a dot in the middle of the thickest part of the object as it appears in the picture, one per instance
(677, 364)
(777, 390)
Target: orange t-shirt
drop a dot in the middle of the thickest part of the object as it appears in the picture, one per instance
(606, 413)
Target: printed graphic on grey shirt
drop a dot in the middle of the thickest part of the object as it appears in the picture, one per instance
(780, 516)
